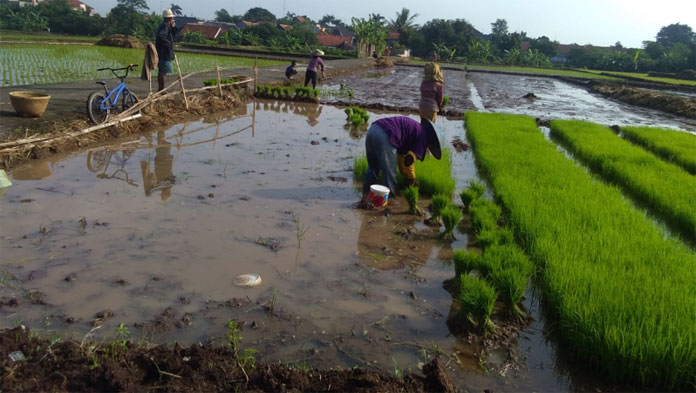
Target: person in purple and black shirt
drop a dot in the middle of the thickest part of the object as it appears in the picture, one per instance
(391, 136)
(312, 68)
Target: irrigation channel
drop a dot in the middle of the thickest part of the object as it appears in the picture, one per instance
(151, 232)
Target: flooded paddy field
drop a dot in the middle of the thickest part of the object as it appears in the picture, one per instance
(541, 97)
(151, 233)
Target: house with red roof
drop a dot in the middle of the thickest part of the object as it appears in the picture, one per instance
(209, 32)
(335, 41)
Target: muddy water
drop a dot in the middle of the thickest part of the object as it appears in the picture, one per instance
(555, 99)
(151, 232)
(399, 87)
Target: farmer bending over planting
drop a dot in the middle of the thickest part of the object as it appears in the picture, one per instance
(165, 46)
(386, 138)
(313, 67)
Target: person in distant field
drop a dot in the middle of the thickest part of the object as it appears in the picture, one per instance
(291, 71)
(391, 136)
(431, 91)
(313, 67)
(164, 42)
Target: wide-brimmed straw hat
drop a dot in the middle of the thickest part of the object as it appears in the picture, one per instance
(318, 52)
(434, 139)
(167, 13)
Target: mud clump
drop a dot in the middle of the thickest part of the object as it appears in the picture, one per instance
(121, 41)
(112, 366)
(384, 62)
(681, 106)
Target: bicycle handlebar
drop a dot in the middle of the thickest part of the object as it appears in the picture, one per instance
(113, 70)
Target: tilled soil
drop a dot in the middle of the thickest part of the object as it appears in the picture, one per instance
(73, 366)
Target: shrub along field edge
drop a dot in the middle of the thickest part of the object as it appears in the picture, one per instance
(622, 292)
(674, 146)
(666, 189)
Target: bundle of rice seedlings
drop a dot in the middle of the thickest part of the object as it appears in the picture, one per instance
(411, 195)
(439, 202)
(484, 214)
(488, 237)
(471, 193)
(477, 299)
(465, 261)
(511, 285)
(450, 216)
(505, 256)
(359, 167)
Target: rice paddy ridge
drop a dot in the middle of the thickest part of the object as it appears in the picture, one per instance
(678, 147)
(622, 293)
(666, 189)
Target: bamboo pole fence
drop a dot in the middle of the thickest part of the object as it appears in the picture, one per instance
(127, 115)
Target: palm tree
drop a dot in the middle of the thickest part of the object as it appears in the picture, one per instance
(176, 10)
(403, 21)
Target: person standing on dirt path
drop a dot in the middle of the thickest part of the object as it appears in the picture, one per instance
(388, 137)
(313, 67)
(164, 42)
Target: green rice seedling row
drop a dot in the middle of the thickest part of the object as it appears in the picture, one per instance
(40, 64)
(620, 291)
(674, 146)
(666, 189)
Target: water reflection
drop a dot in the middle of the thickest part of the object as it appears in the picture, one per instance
(162, 179)
(311, 111)
(103, 160)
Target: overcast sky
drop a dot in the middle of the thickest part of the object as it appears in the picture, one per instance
(597, 22)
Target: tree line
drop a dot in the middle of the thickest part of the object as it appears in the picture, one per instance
(456, 40)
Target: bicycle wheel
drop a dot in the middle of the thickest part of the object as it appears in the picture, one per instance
(94, 111)
(129, 99)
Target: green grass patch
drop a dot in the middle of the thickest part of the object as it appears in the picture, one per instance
(621, 292)
(11, 35)
(38, 64)
(674, 146)
(669, 81)
(666, 189)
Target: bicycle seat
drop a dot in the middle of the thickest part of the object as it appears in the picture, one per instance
(101, 83)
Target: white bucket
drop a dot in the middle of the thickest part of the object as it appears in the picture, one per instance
(379, 195)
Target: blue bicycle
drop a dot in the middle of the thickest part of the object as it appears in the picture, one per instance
(100, 105)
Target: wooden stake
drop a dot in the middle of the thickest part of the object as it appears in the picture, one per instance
(182, 82)
(217, 68)
(256, 75)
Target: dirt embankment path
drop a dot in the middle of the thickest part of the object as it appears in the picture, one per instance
(682, 106)
(122, 366)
